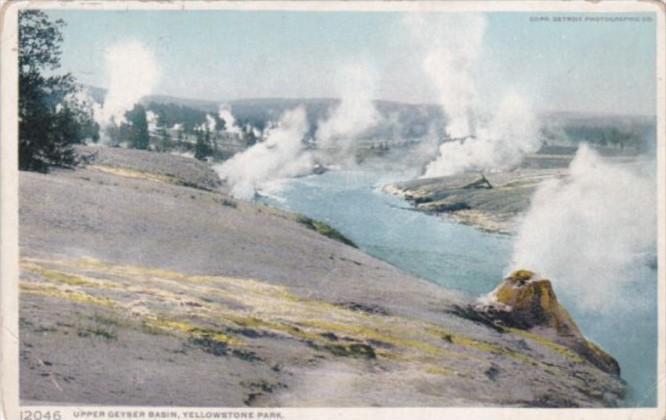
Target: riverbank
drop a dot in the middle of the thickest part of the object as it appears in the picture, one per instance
(492, 202)
(143, 282)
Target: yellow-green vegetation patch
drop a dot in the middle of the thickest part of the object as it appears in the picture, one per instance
(74, 296)
(324, 229)
(129, 270)
(60, 276)
(131, 173)
(161, 301)
(192, 331)
(100, 326)
(439, 371)
(365, 332)
(270, 326)
(569, 354)
(481, 346)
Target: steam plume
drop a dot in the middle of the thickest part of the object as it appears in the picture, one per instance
(152, 120)
(281, 155)
(451, 46)
(211, 124)
(500, 144)
(229, 121)
(353, 116)
(133, 73)
(590, 231)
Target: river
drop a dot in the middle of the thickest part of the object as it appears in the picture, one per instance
(460, 257)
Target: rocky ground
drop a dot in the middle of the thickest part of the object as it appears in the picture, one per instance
(143, 282)
(492, 202)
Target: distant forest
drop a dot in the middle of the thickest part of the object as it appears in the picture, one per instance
(400, 121)
(170, 114)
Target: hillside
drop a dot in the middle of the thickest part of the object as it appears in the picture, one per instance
(143, 282)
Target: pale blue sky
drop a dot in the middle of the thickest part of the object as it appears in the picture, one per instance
(222, 55)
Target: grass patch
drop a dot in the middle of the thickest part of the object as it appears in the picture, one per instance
(324, 229)
(227, 202)
(569, 354)
(221, 327)
(58, 276)
(365, 333)
(100, 319)
(100, 325)
(134, 174)
(72, 296)
(98, 331)
(156, 325)
(437, 370)
(357, 350)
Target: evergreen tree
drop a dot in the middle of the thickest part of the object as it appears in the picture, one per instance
(163, 132)
(53, 116)
(202, 149)
(165, 138)
(180, 138)
(138, 127)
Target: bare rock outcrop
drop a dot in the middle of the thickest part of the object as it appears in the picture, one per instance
(528, 302)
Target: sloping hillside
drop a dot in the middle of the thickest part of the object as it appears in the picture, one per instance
(142, 282)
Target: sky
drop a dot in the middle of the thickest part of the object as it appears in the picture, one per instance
(598, 67)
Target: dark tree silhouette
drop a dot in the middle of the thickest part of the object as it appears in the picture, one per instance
(52, 116)
(203, 147)
(138, 127)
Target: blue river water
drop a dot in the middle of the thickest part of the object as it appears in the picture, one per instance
(460, 257)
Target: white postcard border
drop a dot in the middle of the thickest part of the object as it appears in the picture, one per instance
(9, 404)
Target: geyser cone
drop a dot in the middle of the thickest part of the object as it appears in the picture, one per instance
(526, 301)
(531, 302)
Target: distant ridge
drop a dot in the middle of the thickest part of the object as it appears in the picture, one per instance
(316, 105)
(212, 106)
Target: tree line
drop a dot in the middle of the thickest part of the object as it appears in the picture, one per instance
(55, 114)
(52, 114)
